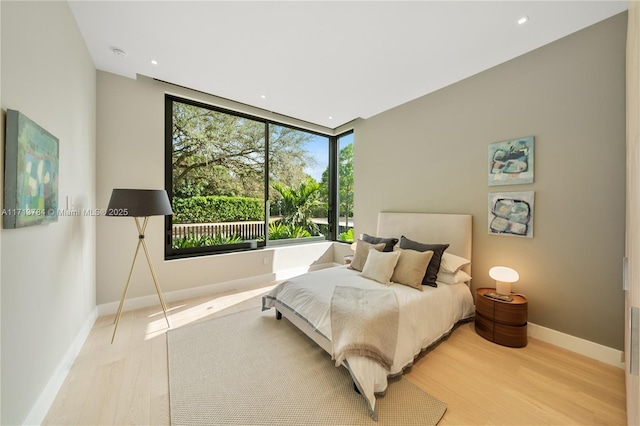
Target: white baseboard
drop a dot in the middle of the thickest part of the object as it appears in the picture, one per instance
(575, 344)
(41, 407)
(172, 296)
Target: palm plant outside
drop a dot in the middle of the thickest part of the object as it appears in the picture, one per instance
(299, 204)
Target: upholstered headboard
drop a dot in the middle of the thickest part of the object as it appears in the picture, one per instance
(432, 228)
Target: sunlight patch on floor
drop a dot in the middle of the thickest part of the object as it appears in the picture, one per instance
(161, 314)
(182, 315)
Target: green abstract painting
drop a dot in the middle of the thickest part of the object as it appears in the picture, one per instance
(31, 173)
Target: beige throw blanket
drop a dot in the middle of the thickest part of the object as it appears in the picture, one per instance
(364, 322)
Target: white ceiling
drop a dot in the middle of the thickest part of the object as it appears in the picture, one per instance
(316, 60)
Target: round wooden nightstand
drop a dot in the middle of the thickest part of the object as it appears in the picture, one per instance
(501, 322)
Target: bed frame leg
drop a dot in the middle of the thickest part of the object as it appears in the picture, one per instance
(278, 315)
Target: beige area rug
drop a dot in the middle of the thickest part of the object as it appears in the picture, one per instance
(250, 369)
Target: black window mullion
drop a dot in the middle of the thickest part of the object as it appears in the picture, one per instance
(168, 167)
(334, 205)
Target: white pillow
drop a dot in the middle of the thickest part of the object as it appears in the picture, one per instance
(411, 267)
(379, 265)
(452, 263)
(455, 278)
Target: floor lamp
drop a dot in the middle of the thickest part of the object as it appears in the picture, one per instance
(139, 203)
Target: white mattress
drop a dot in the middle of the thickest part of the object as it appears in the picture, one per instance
(425, 316)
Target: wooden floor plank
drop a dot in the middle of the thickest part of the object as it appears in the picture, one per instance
(537, 384)
(482, 383)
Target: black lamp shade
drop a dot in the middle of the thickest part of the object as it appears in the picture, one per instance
(139, 203)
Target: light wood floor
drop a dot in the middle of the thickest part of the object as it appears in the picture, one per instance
(482, 383)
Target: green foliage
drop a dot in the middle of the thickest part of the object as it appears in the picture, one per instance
(215, 153)
(204, 240)
(280, 231)
(346, 236)
(345, 181)
(214, 209)
(297, 205)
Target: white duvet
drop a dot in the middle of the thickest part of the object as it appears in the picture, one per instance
(425, 317)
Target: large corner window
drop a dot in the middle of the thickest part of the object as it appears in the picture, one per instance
(238, 182)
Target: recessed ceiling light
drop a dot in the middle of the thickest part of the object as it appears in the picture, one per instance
(154, 62)
(523, 20)
(330, 118)
(118, 52)
(263, 96)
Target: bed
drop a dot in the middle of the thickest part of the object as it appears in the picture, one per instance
(330, 305)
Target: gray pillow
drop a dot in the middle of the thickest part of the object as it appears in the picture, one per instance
(434, 264)
(389, 243)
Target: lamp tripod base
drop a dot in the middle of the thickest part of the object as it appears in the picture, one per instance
(141, 243)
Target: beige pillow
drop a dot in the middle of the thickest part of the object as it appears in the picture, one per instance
(411, 267)
(379, 265)
(362, 251)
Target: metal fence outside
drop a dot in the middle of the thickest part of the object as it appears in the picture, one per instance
(245, 230)
(249, 230)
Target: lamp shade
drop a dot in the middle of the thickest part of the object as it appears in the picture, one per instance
(139, 203)
(504, 274)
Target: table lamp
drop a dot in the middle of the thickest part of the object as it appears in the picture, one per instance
(139, 203)
(504, 276)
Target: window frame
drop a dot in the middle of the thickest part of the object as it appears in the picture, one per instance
(332, 207)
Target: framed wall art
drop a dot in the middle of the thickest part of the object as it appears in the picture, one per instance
(511, 162)
(511, 213)
(31, 173)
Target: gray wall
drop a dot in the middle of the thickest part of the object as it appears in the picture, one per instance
(48, 272)
(430, 155)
